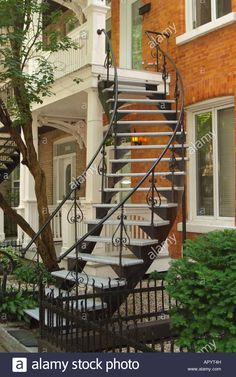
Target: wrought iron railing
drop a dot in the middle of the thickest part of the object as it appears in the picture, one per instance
(140, 322)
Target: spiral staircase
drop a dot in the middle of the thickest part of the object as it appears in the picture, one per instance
(9, 155)
(146, 126)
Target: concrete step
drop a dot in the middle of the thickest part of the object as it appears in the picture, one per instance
(90, 280)
(105, 259)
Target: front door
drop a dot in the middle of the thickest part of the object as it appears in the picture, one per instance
(130, 35)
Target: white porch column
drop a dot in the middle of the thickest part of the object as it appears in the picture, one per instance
(2, 234)
(95, 13)
(28, 203)
(94, 138)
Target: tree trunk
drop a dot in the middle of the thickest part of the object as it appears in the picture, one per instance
(50, 263)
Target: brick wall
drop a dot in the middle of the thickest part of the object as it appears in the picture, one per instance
(207, 64)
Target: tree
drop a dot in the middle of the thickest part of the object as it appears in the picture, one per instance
(21, 43)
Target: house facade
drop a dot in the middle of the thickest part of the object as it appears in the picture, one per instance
(69, 126)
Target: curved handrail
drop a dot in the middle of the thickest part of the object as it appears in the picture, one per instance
(99, 31)
(178, 125)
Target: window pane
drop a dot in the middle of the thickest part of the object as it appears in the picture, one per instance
(223, 7)
(204, 159)
(136, 36)
(226, 161)
(202, 11)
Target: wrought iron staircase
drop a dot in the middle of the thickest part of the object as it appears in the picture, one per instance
(146, 125)
(9, 156)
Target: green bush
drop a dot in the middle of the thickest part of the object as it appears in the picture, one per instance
(30, 273)
(13, 304)
(204, 284)
(14, 254)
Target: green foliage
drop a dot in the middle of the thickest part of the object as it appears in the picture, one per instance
(30, 273)
(203, 283)
(14, 303)
(21, 44)
(14, 254)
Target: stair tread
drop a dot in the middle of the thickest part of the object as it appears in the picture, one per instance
(129, 222)
(116, 175)
(161, 133)
(132, 241)
(136, 111)
(97, 281)
(107, 259)
(135, 205)
(138, 100)
(156, 146)
(142, 189)
(133, 82)
(127, 160)
(148, 122)
(128, 90)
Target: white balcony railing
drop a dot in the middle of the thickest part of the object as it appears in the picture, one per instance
(56, 224)
(69, 61)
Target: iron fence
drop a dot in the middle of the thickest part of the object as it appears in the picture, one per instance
(108, 319)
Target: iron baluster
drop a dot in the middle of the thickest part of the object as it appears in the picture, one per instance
(75, 214)
(165, 74)
(102, 170)
(153, 197)
(120, 237)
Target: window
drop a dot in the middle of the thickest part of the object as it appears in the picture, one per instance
(204, 16)
(213, 153)
(136, 35)
(205, 11)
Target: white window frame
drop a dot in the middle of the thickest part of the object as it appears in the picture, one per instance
(211, 105)
(126, 33)
(214, 24)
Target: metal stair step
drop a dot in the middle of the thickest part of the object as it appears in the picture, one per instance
(141, 147)
(164, 159)
(138, 100)
(152, 134)
(105, 259)
(142, 189)
(135, 205)
(135, 82)
(140, 223)
(146, 122)
(133, 91)
(97, 281)
(135, 112)
(157, 174)
(132, 241)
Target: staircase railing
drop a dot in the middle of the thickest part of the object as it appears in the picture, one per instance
(179, 93)
(179, 130)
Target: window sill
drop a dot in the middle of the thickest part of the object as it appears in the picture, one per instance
(206, 226)
(207, 28)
